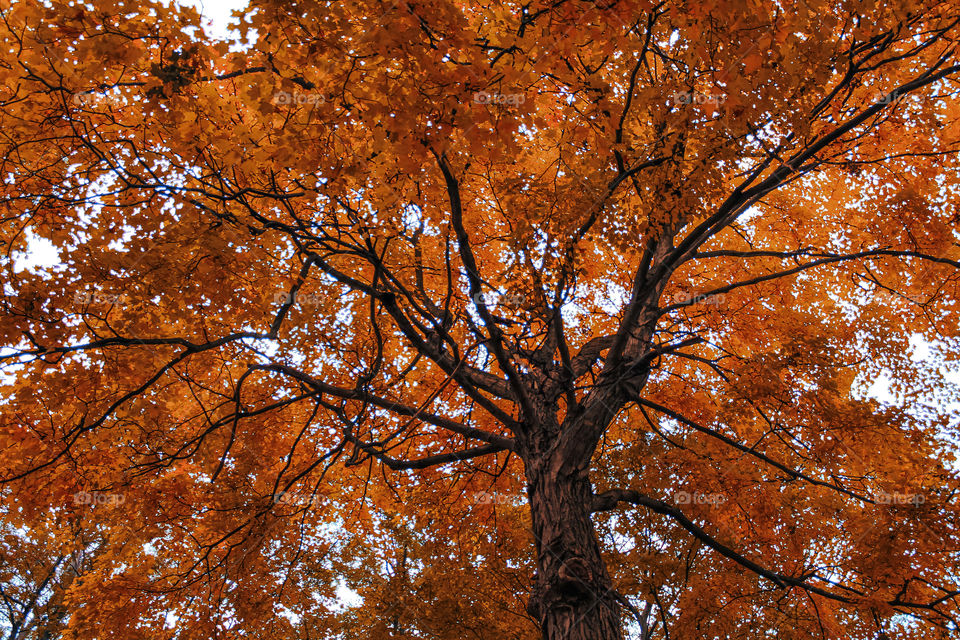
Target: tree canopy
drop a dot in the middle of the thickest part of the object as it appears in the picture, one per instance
(453, 319)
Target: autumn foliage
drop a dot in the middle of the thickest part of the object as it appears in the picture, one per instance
(451, 319)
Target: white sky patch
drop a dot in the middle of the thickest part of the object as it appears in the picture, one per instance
(880, 389)
(170, 621)
(919, 348)
(348, 597)
(953, 376)
(292, 617)
(216, 14)
(121, 243)
(40, 254)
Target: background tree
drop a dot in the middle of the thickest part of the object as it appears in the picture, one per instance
(37, 569)
(464, 304)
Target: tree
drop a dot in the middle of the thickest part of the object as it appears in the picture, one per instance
(35, 578)
(591, 291)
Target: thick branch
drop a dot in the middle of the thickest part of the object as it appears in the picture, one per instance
(609, 500)
(476, 292)
(390, 405)
(429, 461)
(793, 473)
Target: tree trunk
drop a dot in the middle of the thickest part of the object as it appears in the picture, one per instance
(572, 595)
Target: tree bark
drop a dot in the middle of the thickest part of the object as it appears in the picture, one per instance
(572, 596)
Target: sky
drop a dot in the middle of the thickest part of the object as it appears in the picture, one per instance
(217, 12)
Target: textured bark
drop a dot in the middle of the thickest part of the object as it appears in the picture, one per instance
(572, 596)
